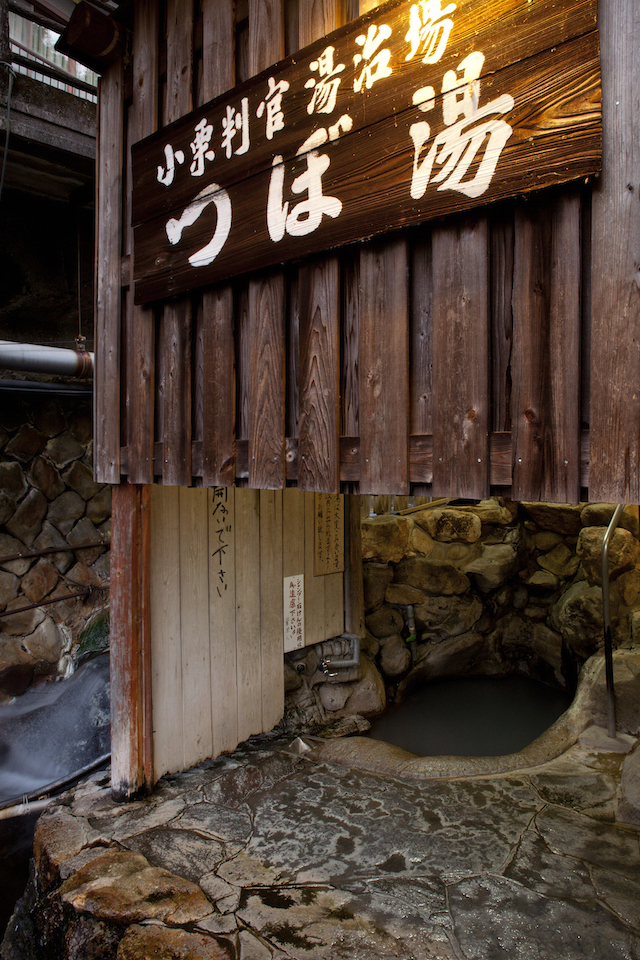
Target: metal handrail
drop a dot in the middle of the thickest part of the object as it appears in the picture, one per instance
(606, 617)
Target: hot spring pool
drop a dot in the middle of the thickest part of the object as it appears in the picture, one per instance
(471, 716)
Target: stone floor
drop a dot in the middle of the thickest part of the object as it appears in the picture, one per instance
(267, 854)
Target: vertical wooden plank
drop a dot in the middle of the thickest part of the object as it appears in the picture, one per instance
(194, 625)
(271, 608)
(267, 388)
(176, 320)
(222, 617)
(546, 351)
(292, 401)
(421, 336)
(106, 427)
(384, 368)
(218, 373)
(319, 446)
(314, 609)
(614, 469)
(248, 612)
(461, 359)
(267, 321)
(141, 319)
(350, 358)
(166, 637)
(219, 387)
(501, 318)
(243, 363)
(131, 742)
(293, 506)
(266, 34)
(175, 333)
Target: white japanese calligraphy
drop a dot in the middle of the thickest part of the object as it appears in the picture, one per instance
(461, 94)
(236, 121)
(200, 147)
(429, 29)
(325, 89)
(272, 103)
(215, 194)
(305, 216)
(375, 62)
(456, 148)
(166, 175)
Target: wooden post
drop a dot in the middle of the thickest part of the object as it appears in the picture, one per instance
(614, 470)
(131, 740)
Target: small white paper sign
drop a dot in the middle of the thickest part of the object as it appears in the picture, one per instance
(293, 612)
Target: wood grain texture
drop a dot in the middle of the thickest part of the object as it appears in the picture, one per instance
(319, 304)
(384, 368)
(218, 373)
(219, 387)
(421, 335)
(314, 600)
(319, 293)
(249, 683)
(175, 327)
(555, 136)
(175, 344)
(267, 318)
(222, 619)
(131, 755)
(106, 430)
(266, 34)
(461, 359)
(350, 345)
(179, 95)
(501, 226)
(271, 608)
(614, 474)
(166, 632)
(140, 319)
(267, 390)
(194, 626)
(546, 351)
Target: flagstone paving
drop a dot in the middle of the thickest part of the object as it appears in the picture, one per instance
(266, 854)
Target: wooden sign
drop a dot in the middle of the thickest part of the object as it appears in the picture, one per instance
(411, 112)
(328, 534)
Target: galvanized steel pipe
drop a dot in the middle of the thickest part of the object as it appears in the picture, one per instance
(37, 359)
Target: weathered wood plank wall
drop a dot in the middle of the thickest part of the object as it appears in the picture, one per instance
(450, 359)
(218, 557)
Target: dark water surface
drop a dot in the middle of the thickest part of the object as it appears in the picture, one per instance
(47, 735)
(471, 716)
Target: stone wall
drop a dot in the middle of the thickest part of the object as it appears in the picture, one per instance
(496, 587)
(48, 499)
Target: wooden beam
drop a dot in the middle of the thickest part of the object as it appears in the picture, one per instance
(131, 749)
(106, 430)
(140, 369)
(615, 307)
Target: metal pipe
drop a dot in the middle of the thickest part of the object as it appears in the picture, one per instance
(328, 663)
(606, 616)
(38, 359)
(412, 639)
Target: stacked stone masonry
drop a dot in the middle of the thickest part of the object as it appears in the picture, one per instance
(48, 498)
(496, 587)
